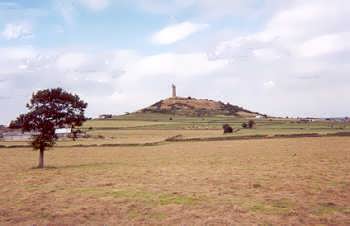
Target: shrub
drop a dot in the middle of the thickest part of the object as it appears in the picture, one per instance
(251, 124)
(227, 128)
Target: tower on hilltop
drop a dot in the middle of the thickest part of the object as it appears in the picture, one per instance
(173, 90)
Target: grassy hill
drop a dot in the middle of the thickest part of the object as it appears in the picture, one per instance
(197, 107)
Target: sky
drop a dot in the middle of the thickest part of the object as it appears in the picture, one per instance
(278, 57)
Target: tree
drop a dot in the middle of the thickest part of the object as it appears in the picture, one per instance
(18, 123)
(248, 125)
(244, 125)
(227, 128)
(49, 110)
(251, 124)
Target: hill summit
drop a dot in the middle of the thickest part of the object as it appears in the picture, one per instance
(197, 107)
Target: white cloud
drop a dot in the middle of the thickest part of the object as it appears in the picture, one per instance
(17, 31)
(244, 46)
(303, 48)
(305, 19)
(23, 66)
(304, 29)
(325, 45)
(295, 57)
(119, 76)
(267, 54)
(17, 53)
(71, 61)
(269, 84)
(176, 32)
(174, 65)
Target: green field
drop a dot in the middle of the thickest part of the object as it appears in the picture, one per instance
(171, 122)
(148, 128)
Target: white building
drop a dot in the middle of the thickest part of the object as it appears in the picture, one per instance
(63, 132)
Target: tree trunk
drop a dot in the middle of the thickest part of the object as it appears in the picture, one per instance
(41, 158)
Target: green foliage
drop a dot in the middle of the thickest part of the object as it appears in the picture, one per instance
(49, 110)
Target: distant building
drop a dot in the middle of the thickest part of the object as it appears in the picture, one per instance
(63, 132)
(15, 134)
(304, 120)
(105, 116)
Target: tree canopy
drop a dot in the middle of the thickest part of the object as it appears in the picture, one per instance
(49, 110)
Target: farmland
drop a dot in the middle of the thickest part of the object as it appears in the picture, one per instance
(277, 181)
(294, 181)
(149, 128)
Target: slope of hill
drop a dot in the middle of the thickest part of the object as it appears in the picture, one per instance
(196, 107)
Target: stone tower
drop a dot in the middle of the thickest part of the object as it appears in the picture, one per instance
(174, 90)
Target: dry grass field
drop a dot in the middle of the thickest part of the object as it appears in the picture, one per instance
(302, 181)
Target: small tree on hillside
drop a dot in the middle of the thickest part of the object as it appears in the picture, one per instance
(251, 124)
(248, 125)
(227, 128)
(49, 110)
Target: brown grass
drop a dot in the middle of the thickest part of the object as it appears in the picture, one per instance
(303, 181)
